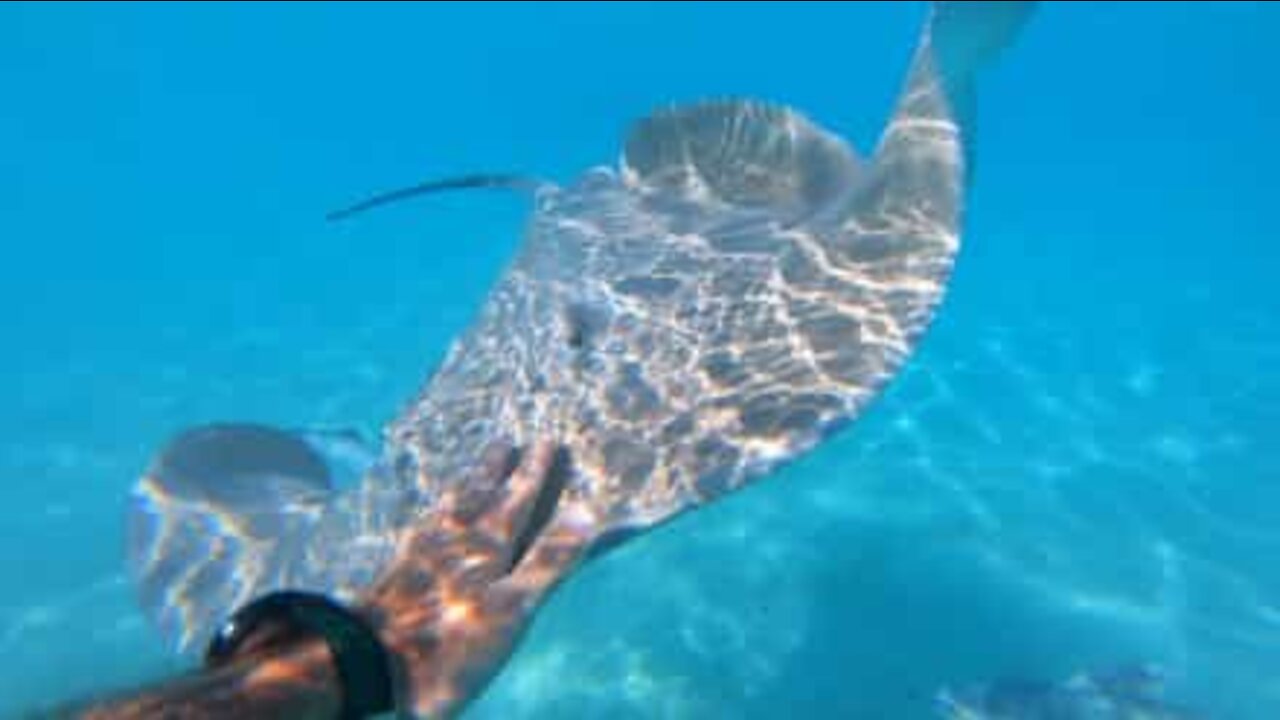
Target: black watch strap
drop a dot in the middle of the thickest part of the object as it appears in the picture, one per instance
(360, 660)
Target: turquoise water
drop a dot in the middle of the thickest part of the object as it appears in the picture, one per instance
(1074, 471)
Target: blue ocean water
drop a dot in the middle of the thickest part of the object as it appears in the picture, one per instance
(1073, 472)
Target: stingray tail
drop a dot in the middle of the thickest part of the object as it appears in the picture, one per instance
(463, 182)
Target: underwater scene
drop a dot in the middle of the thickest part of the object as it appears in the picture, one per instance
(736, 360)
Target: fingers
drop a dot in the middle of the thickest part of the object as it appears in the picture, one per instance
(553, 555)
(485, 519)
(509, 516)
(474, 494)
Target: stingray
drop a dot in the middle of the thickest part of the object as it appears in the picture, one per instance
(1129, 692)
(739, 287)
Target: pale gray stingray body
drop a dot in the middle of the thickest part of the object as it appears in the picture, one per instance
(740, 286)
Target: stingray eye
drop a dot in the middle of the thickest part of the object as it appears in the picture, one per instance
(280, 619)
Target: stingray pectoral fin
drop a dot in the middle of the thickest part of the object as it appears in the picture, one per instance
(969, 35)
(220, 516)
(936, 110)
(740, 154)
